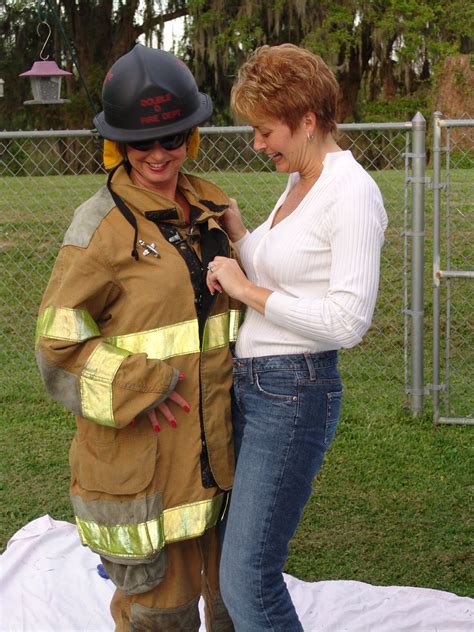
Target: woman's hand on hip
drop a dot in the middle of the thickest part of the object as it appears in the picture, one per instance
(165, 410)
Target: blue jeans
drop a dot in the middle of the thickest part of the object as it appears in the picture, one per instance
(285, 414)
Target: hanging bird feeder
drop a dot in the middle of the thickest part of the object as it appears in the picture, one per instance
(45, 77)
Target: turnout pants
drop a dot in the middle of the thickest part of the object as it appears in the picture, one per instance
(172, 606)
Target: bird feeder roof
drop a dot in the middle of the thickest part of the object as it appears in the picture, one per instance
(45, 69)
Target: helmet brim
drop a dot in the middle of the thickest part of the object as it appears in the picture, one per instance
(129, 135)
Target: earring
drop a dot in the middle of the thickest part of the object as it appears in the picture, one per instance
(309, 137)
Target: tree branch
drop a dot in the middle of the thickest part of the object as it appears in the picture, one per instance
(167, 17)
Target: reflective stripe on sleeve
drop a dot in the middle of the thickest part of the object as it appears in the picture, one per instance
(143, 540)
(63, 323)
(96, 383)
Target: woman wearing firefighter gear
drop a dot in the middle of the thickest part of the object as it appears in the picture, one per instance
(130, 340)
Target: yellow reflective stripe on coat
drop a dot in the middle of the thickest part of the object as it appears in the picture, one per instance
(63, 323)
(182, 338)
(145, 539)
(236, 316)
(162, 343)
(190, 521)
(99, 371)
(216, 332)
(96, 383)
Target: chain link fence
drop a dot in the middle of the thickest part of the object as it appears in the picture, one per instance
(46, 175)
(374, 372)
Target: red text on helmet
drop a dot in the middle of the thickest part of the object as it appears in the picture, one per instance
(157, 100)
(156, 118)
(171, 114)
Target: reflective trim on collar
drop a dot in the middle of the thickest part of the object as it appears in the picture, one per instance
(64, 323)
(144, 539)
(96, 383)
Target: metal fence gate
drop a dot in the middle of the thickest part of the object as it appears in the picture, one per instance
(44, 176)
(453, 273)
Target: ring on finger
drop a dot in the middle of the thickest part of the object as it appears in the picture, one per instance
(210, 267)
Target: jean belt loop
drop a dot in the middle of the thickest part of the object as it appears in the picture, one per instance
(311, 369)
(250, 371)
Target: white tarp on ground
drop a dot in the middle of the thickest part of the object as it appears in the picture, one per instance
(50, 583)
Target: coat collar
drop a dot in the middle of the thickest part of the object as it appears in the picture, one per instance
(205, 199)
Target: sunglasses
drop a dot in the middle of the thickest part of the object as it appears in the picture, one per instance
(173, 141)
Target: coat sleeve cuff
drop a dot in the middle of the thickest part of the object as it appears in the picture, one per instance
(172, 386)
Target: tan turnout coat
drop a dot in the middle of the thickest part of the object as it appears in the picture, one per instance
(113, 335)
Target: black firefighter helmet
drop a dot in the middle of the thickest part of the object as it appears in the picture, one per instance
(149, 93)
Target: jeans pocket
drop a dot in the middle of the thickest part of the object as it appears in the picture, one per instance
(333, 412)
(277, 385)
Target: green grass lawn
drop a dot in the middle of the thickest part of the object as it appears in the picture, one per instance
(393, 503)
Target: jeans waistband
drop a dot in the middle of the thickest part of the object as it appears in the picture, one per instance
(299, 361)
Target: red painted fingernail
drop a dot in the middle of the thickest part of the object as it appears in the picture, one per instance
(173, 423)
(132, 423)
(156, 428)
(181, 376)
(186, 408)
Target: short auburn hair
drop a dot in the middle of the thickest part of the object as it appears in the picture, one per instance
(284, 82)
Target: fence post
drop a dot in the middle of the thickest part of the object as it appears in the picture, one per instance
(417, 262)
(436, 261)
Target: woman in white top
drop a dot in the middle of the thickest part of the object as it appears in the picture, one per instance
(312, 275)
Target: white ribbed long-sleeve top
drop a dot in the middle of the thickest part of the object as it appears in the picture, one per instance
(321, 263)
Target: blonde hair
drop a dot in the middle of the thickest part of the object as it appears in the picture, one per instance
(284, 82)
